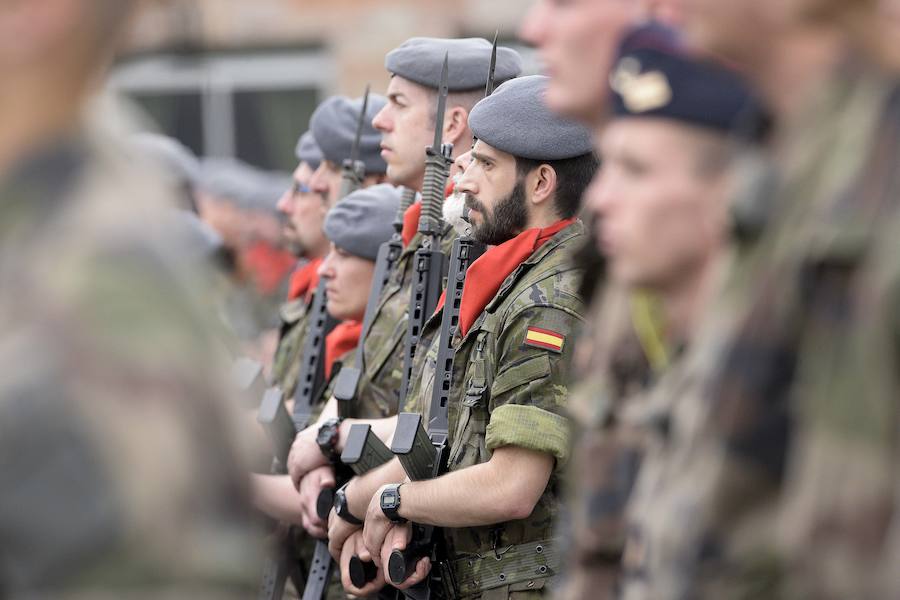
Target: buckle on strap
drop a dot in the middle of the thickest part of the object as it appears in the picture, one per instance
(476, 573)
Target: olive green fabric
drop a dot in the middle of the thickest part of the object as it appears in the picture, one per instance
(122, 472)
(502, 389)
(379, 388)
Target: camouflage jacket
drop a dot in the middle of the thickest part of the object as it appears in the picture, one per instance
(610, 414)
(286, 364)
(121, 472)
(379, 389)
(506, 392)
(776, 474)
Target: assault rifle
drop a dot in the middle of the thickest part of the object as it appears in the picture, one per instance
(347, 383)
(423, 452)
(429, 262)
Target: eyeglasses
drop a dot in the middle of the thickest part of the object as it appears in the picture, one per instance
(300, 188)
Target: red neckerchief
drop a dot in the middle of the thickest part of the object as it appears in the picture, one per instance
(486, 275)
(268, 265)
(411, 222)
(304, 280)
(342, 339)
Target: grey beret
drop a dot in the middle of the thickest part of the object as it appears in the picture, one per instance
(308, 150)
(421, 59)
(241, 184)
(170, 154)
(515, 119)
(362, 221)
(334, 122)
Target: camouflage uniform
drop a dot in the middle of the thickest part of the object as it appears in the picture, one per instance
(610, 413)
(120, 475)
(379, 388)
(286, 364)
(776, 474)
(507, 393)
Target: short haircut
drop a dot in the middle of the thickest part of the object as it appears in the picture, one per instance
(573, 176)
(465, 100)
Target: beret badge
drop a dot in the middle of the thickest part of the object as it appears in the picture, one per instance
(641, 92)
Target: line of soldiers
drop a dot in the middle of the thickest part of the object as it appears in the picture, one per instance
(625, 330)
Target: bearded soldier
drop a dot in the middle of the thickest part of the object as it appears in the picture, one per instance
(518, 314)
(407, 124)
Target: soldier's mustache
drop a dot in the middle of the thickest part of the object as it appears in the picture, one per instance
(473, 204)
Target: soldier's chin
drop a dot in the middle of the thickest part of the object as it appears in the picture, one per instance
(453, 209)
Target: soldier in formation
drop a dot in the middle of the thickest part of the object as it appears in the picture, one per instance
(691, 394)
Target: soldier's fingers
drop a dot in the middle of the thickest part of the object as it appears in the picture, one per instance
(373, 536)
(423, 568)
(335, 547)
(327, 479)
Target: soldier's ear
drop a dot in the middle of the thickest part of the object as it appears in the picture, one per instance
(456, 126)
(543, 184)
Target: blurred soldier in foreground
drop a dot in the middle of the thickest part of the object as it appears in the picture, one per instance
(660, 208)
(120, 473)
(776, 473)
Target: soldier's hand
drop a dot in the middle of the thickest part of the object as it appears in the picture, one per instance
(310, 486)
(397, 539)
(338, 532)
(305, 455)
(376, 527)
(354, 547)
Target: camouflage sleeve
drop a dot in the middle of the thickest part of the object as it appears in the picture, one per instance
(529, 391)
(119, 445)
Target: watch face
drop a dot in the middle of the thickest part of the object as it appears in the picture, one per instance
(323, 437)
(389, 498)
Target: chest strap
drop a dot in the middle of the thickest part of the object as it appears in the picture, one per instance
(477, 573)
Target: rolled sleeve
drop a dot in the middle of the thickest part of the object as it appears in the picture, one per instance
(529, 427)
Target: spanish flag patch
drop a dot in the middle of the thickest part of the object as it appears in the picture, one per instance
(544, 338)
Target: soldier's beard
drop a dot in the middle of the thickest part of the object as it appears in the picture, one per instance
(508, 219)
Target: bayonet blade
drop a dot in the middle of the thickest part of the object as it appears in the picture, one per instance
(442, 104)
(354, 150)
(489, 88)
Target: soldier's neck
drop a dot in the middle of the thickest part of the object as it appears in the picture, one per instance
(34, 112)
(685, 302)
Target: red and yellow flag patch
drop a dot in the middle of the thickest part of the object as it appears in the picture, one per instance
(544, 338)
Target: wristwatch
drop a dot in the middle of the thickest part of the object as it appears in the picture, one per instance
(341, 507)
(390, 503)
(327, 439)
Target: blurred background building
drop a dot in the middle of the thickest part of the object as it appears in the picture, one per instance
(240, 78)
